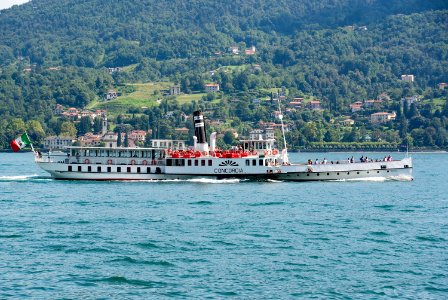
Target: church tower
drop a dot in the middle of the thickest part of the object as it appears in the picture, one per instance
(104, 129)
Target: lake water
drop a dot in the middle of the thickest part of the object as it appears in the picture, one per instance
(224, 239)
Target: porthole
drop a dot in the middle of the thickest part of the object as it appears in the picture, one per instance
(328, 174)
(337, 173)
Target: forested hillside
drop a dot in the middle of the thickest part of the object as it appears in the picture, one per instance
(340, 51)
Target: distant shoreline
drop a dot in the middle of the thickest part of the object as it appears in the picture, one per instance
(434, 151)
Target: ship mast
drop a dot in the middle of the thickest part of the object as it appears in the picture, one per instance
(285, 149)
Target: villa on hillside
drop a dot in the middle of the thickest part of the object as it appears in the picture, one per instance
(234, 50)
(315, 105)
(58, 142)
(171, 144)
(212, 87)
(355, 107)
(175, 90)
(110, 95)
(347, 122)
(382, 117)
(407, 78)
(250, 51)
(442, 85)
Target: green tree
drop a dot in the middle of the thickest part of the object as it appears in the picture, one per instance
(68, 129)
(84, 125)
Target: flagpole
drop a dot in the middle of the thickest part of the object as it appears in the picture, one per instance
(31, 144)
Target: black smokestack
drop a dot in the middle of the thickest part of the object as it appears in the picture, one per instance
(199, 128)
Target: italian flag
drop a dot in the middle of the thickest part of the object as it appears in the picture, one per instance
(20, 142)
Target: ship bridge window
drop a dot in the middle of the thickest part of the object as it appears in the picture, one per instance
(119, 169)
(383, 166)
(203, 162)
(109, 169)
(148, 170)
(247, 162)
(254, 162)
(196, 162)
(138, 170)
(169, 162)
(129, 169)
(79, 168)
(70, 168)
(89, 169)
(210, 163)
(189, 162)
(98, 169)
(260, 162)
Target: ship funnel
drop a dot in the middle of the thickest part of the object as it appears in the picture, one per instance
(199, 127)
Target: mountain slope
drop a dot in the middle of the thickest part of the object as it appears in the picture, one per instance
(111, 32)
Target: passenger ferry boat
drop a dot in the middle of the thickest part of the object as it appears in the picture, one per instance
(255, 159)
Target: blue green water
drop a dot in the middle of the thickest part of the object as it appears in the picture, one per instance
(224, 239)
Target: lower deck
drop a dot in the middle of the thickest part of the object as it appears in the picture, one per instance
(287, 173)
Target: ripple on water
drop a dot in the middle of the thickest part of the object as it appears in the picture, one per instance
(430, 238)
(10, 236)
(147, 245)
(271, 203)
(121, 280)
(88, 250)
(385, 206)
(203, 202)
(130, 260)
(379, 233)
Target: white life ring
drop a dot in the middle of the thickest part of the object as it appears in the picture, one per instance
(109, 161)
(133, 162)
(145, 162)
(87, 161)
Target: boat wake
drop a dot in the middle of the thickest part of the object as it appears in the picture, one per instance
(401, 178)
(194, 180)
(208, 180)
(33, 177)
(378, 179)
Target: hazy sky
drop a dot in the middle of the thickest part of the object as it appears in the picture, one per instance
(8, 3)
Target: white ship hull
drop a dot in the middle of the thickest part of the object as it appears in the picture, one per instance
(229, 168)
